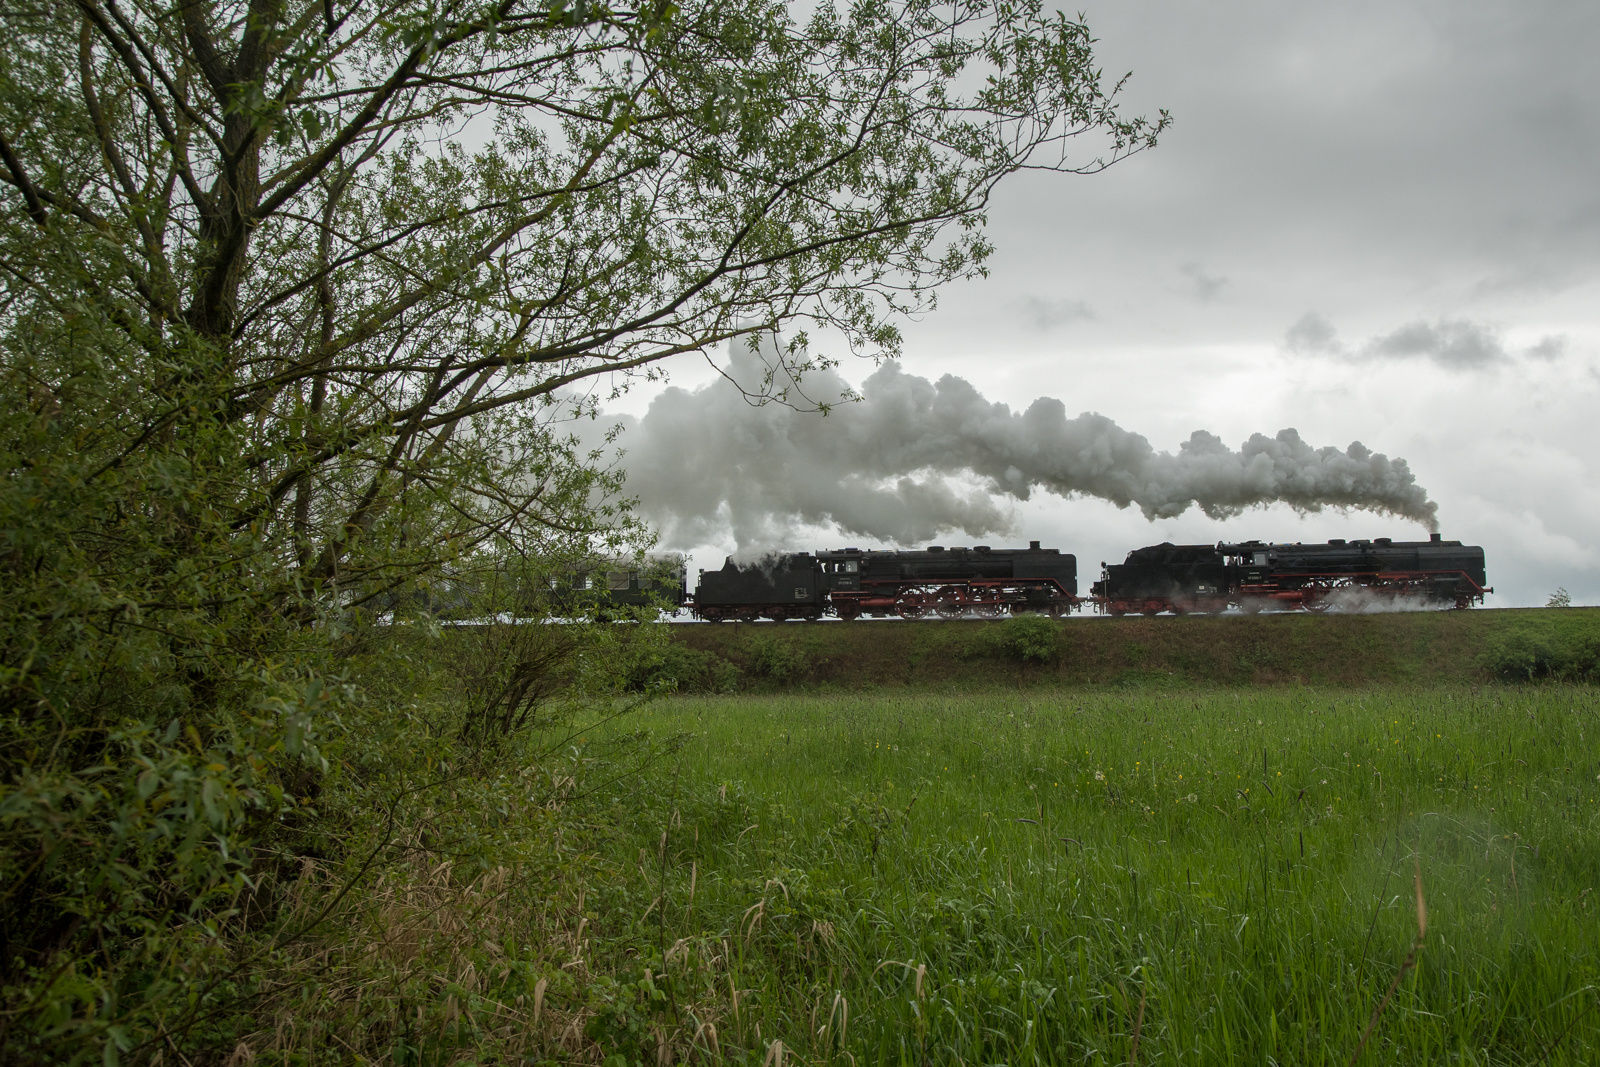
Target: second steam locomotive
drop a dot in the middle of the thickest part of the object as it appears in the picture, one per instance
(1182, 579)
(1255, 575)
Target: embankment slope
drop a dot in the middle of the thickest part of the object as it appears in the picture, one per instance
(1446, 647)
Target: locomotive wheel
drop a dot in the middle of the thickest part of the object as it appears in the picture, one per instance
(950, 608)
(1058, 609)
(911, 606)
(1318, 606)
(991, 610)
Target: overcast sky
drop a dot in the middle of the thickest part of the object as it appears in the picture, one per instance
(1374, 222)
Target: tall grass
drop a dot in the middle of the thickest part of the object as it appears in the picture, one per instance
(1218, 877)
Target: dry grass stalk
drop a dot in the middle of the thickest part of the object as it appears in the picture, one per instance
(841, 1009)
(1138, 1025)
(1409, 962)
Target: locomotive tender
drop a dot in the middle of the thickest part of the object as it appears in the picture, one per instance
(1254, 575)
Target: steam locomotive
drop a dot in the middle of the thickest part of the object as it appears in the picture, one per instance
(990, 582)
(1254, 575)
(850, 583)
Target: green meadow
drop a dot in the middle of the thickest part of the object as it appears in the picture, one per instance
(1217, 876)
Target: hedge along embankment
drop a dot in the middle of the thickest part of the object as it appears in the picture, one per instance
(1429, 648)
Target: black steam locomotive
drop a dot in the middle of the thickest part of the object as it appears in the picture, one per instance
(850, 583)
(1255, 575)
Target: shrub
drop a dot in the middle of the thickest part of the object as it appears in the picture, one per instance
(1030, 639)
(772, 657)
(1024, 638)
(675, 667)
(1535, 652)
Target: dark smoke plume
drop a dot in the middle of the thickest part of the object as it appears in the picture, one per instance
(708, 462)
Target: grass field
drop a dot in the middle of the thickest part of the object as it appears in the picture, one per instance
(1217, 876)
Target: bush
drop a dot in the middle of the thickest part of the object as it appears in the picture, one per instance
(1030, 639)
(1023, 638)
(773, 657)
(1541, 650)
(676, 668)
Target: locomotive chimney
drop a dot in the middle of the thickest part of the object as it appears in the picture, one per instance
(1033, 546)
(1434, 536)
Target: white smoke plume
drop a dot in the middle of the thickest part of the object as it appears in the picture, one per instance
(707, 462)
(1362, 601)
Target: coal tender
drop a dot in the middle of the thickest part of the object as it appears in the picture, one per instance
(851, 582)
(1258, 575)
(781, 586)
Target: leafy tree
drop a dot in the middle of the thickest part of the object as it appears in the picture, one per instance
(292, 294)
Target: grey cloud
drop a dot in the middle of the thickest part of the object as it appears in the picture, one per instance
(1048, 314)
(1207, 287)
(706, 463)
(1313, 335)
(1438, 135)
(1454, 344)
(1552, 347)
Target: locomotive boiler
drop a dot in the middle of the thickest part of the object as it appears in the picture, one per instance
(1257, 575)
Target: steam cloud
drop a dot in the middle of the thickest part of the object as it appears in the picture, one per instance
(706, 462)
